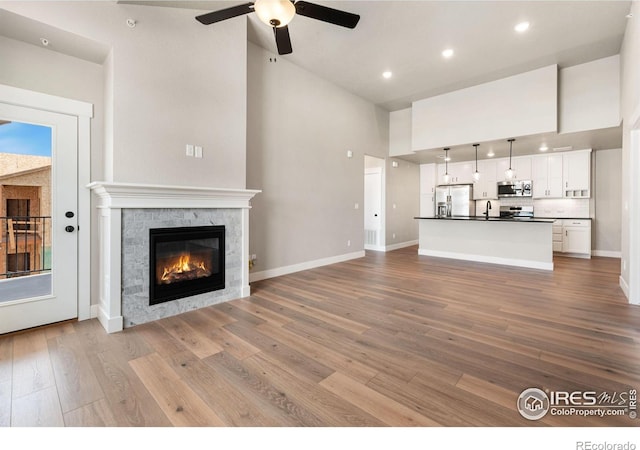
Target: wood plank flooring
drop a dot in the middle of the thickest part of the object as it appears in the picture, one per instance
(390, 339)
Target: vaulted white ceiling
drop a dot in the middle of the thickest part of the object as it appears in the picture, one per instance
(407, 37)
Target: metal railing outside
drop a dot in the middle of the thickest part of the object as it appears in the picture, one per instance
(25, 245)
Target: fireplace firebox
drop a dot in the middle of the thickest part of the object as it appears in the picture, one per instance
(185, 261)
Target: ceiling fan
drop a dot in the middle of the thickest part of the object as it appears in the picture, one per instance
(278, 13)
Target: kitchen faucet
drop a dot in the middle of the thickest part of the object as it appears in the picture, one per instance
(486, 212)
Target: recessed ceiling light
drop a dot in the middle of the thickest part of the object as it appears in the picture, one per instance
(447, 158)
(521, 27)
(44, 41)
(387, 74)
(491, 154)
(544, 148)
(447, 53)
(629, 16)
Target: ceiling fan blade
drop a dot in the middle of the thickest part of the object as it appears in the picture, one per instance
(224, 14)
(334, 16)
(283, 40)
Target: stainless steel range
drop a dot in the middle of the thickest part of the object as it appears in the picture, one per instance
(516, 212)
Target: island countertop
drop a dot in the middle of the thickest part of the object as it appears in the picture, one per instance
(492, 219)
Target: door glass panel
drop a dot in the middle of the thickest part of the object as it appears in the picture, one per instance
(25, 210)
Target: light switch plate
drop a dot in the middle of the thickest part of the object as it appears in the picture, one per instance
(198, 151)
(189, 150)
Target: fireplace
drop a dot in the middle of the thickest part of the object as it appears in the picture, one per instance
(185, 261)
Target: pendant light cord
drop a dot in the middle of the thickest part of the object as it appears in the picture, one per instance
(510, 150)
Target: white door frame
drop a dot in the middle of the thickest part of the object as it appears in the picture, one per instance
(84, 112)
(633, 293)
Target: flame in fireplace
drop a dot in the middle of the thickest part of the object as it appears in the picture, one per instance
(183, 268)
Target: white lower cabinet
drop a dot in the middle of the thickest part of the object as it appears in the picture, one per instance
(574, 237)
(557, 236)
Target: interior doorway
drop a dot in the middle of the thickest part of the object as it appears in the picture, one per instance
(374, 238)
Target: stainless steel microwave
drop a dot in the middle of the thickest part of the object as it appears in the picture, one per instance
(515, 188)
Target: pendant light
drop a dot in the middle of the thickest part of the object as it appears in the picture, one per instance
(510, 174)
(476, 174)
(446, 166)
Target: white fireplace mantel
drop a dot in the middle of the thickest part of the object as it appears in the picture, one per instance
(114, 197)
(129, 195)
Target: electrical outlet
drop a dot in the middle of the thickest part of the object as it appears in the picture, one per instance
(356, 206)
(393, 235)
(349, 243)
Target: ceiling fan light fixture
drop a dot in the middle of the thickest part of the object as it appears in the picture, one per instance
(275, 13)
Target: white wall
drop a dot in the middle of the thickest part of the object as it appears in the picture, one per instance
(300, 128)
(172, 81)
(400, 132)
(520, 105)
(589, 95)
(402, 202)
(607, 201)
(630, 109)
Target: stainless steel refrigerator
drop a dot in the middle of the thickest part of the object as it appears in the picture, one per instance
(455, 200)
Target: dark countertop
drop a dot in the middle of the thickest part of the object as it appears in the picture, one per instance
(492, 219)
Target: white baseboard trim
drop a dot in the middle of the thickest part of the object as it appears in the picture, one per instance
(488, 259)
(606, 253)
(624, 286)
(401, 245)
(93, 311)
(245, 291)
(111, 324)
(272, 273)
(389, 248)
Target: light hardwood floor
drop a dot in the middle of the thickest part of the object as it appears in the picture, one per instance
(390, 339)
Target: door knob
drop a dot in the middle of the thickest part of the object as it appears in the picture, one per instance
(69, 229)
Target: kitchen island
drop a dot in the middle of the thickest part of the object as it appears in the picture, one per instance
(513, 242)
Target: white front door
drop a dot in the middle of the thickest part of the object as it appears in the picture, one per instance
(45, 289)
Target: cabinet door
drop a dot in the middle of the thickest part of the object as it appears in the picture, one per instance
(488, 172)
(577, 240)
(522, 166)
(576, 170)
(465, 171)
(554, 182)
(427, 205)
(428, 178)
(540, 175)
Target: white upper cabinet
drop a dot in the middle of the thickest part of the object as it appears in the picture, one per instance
(519, 105)
(576, 174)
(428, 178)
(459, 173)
(546, 176)
(428, 182)
(486, 188)
(589, 96)
(521, 165)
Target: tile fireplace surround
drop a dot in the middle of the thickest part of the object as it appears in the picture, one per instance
(128, 211)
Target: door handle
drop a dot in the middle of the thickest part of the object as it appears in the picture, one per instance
(69, 229)
(69, 214)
